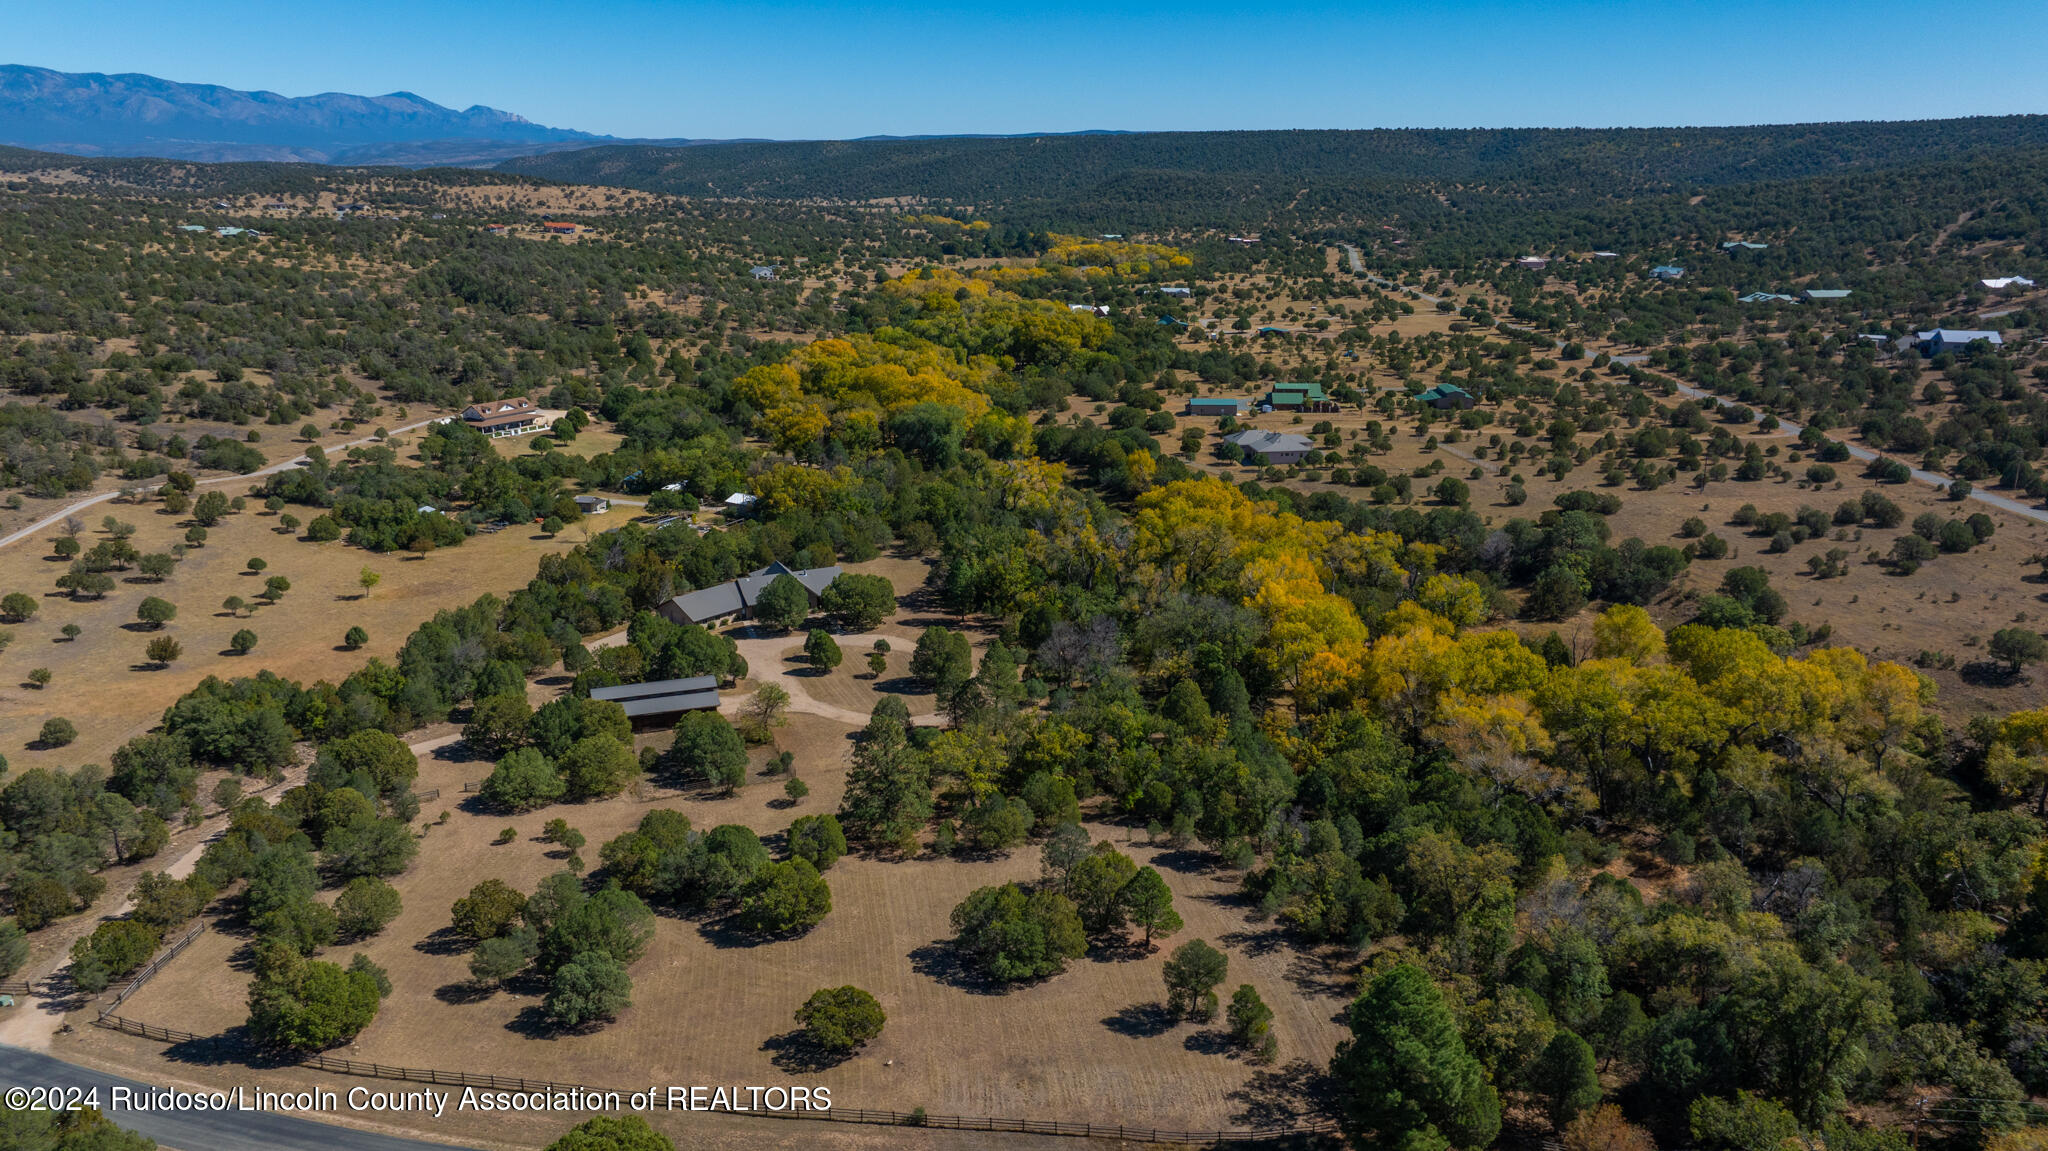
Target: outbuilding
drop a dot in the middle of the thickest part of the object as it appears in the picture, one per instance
(1217, 406)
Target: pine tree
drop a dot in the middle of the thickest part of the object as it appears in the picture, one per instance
(1409, 1080)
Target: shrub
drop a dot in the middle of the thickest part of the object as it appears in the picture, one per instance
(242, 642)
(57, 732)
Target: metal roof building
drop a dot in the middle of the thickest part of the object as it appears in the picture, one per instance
(663, 696)
(737, 597)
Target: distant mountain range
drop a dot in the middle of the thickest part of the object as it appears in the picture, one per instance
(129, 114)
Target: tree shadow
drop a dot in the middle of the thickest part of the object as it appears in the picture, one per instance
(905, 685)
(942, 962)
(1121, 950)
(794, 1053)
(1990, 673)
(807, 671)
(1185, 861)
(464, 991)
(1212, 1042)
(234, 1046)
(444, 941)
(1294, 1092)
(1142, 1021)
(726, 934)
(1263, 941)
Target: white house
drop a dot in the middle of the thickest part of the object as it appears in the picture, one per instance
(2003, 282)
(1279, 448)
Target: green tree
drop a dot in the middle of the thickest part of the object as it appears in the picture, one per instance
(858, 603)
(592, 987)
(822, 650)
(784, 603)
(1746, 1123)
(210, 508)
(18, 607)
(490, 907)
(796, 789)
(1011, 936)
(355, 638)
(944, 659)
(1407, 1077)
(1567, 1079)
(256, 564)
(502, 956)
(40, 677)
(275, 587)
(1192, 974)
(311, 1005)
(1150, 904)
(497, 724)
(57, 732)
(156, 612)
(817, 839)
(613, 1133)
(785, 898)
(597, 766)
(1251, 1022)
(367, 579)
(242, 642)
(163, 651)
(2018, 647)
(877, 664)
(705, 746)
(840, 1019)
(13, 948)
(366, 906)
(521, 781)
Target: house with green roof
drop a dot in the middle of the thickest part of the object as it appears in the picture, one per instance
(1307, 397)
(1447, 396)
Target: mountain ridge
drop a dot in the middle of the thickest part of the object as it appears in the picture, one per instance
(136, 114)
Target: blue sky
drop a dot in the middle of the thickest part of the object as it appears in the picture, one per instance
(829, 70)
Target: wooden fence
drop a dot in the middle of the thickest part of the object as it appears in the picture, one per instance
(17, 987)
(427, 796)
(835, 1115)
(472, 788)
(155, 965)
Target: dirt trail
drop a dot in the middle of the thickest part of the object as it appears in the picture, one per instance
(37, 1017)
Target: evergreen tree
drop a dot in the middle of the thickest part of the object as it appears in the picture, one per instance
(1408, 1080)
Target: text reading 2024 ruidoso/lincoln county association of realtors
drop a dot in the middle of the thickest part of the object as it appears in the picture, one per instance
(430, 1102)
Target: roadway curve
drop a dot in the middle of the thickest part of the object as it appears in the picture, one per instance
(286, 465)
(200, 1130)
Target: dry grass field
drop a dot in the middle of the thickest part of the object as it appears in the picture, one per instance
(712, 1005)
(102, 682)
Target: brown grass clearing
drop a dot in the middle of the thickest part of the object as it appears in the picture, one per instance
(97, 683)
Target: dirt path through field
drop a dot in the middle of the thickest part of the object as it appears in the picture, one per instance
(36, 1017)
(59, 515)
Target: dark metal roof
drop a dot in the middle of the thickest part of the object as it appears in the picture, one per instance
(665, 704)
(626, 691)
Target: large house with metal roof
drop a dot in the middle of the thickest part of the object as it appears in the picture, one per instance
(737, 597)
(1298, 398)
(1447, 396)
(1942, 340)
(662, 697)
(1278, 448)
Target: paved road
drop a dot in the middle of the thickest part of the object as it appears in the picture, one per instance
(201, 1130)
(73, 509)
